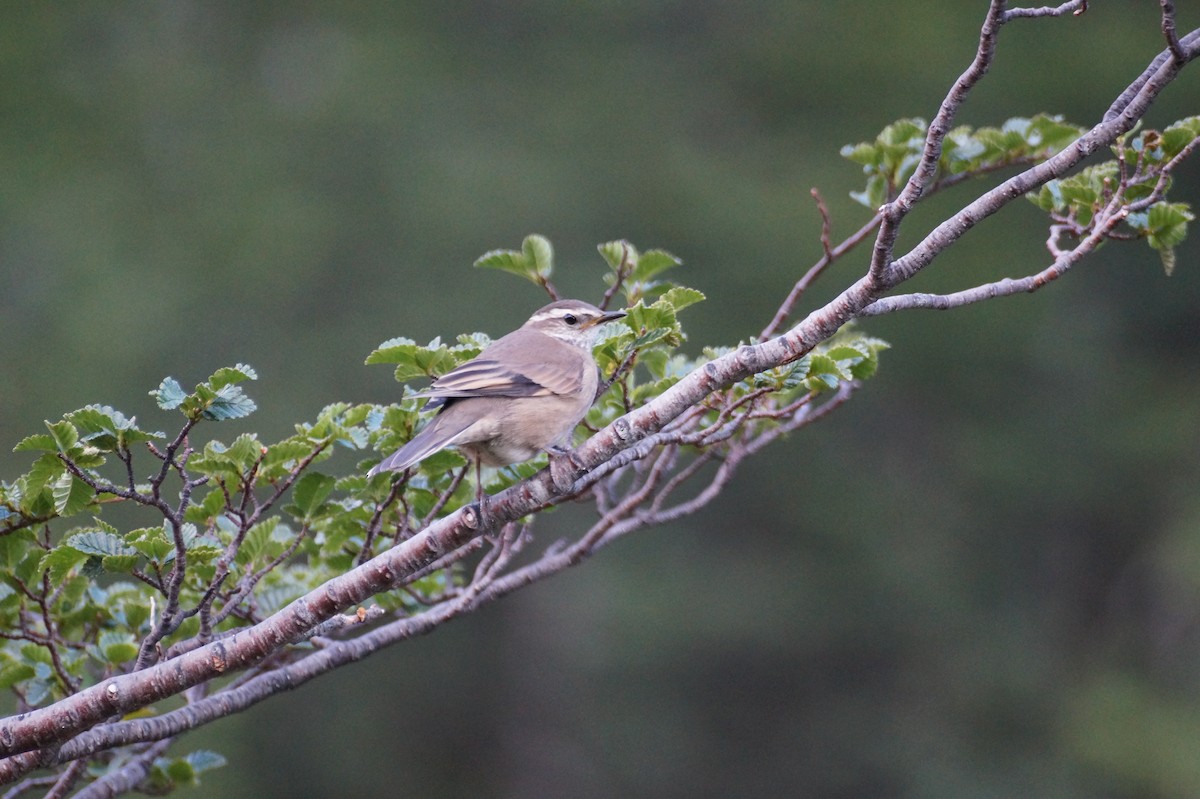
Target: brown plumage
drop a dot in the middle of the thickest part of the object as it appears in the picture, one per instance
(522, 395)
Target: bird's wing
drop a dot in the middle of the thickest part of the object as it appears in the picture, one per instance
(522, 364)
(484, 378)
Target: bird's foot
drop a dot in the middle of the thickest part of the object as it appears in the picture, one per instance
(483, 510)
(563, 468)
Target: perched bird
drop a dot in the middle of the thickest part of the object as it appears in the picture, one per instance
(522, 395)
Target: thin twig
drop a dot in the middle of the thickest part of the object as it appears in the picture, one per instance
(1074, 7)
(1169, 32)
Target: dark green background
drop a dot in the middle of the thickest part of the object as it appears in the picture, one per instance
(980, 578)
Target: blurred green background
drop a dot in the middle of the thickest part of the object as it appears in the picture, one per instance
(980, 578)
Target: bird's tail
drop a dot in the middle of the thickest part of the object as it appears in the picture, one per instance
(437, 435)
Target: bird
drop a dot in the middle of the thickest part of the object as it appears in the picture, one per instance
(522, 395)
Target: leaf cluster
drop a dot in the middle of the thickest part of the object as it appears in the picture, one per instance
(892, 157)
(1140, 172)
(217, 399)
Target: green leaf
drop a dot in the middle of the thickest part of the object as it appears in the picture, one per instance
(180, 772)
(217, 399)
(38, 691)
(239, 456)
(99, 542)
(310, 491)
(823, 372)
(116, 648)
(169, 394)
(443, 461)
(258, 541)
(394, 350)
(535, 261)
(108, 429)
(680, 297)
(229, 375)
(71, 494)
(44, 471)
(38, 442)
(64, 434)
(507, 261)
(1179, 135)
(652, 262)
(60, 561)
(153, 542)
(1168, 261)
(119, 563)
(413, 361)
(539, 253)
(618, 253)
(229, 403)
(1050, 132)
(13, 673)
(13, 547)
(1166, 224)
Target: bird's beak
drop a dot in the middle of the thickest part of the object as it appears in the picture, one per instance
(609, 316)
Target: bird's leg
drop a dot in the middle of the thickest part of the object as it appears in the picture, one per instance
(481, 498)
(563, 468)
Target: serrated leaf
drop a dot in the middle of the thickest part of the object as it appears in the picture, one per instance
(99, 543)
(59, 561)
(413, 361)
(119, 563)
(229, 375)
(391, 351)
(617, 253)
(64, 434)
(651, 262)
(1168, 261)
(244, 451)
(539, 253)
(229, 403)
(1166, 224)
(1179, 135)
(443, 461)
(169, 394)
(71, 494)
(107, 429)
(14, 546)
(152, 542)
(38, 442)
(823, 372)
(534, 262)
(44, 471)
(507, 261)
(257, 541)
(310, 491)
(93, 419)
(680, 297)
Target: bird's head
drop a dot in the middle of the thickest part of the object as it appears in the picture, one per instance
(573, 321)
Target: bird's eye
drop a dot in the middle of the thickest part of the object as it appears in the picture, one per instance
(570, 319)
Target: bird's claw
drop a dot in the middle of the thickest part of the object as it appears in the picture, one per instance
(563, 469)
